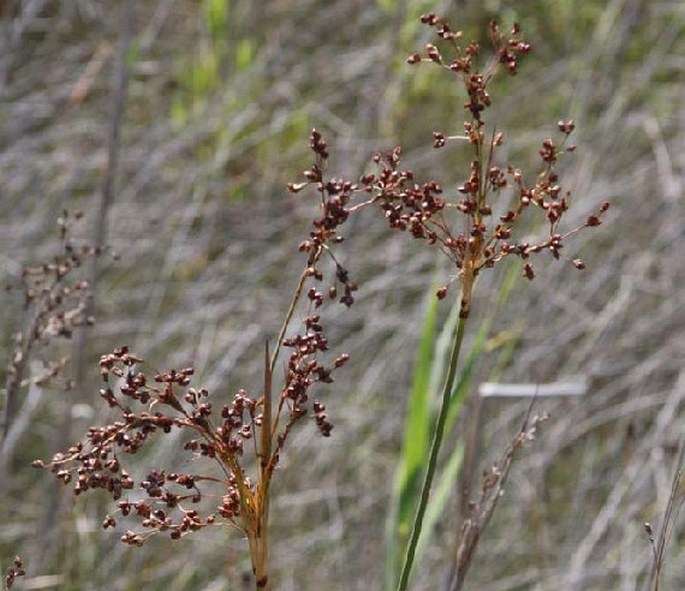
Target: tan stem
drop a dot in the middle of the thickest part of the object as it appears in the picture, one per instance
(259, 551)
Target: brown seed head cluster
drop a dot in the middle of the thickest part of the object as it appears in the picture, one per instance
(424, 209)
(55, 297)
(336, 195)
(56, 301)
(153, 407)
(240, 442)
(474, 224)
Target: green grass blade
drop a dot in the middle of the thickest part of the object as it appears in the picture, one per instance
(440, 497)
(417, 426)
(414, 446)
(429, 371)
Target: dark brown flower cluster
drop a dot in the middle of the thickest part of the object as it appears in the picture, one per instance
(170, 402)
(150, 407)
(147, 408)
(56, 301)
(60, 301)
(336, 195)
(423, 210)
(244, 439)
(508, 50)
(304, 370)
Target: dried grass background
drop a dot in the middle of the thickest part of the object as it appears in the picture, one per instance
(207, 236)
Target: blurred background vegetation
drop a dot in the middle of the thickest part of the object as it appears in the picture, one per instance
(215, 100)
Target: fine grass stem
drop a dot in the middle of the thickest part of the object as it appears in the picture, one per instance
(434, 450)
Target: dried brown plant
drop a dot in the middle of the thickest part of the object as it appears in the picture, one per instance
(158, 404)
(55, 303)
(659, 541)
(238, 443)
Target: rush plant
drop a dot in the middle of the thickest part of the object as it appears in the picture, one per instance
(240, 441)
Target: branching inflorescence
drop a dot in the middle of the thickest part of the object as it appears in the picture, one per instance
(422, 210)
(244, 439)
(56, 302)
(241, 440)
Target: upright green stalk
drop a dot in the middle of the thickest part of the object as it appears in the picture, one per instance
(433, 456)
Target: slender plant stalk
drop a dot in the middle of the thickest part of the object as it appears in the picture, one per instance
(262, 558)
(291, 308)
(289, 314)
(260, 552)
(434, 450)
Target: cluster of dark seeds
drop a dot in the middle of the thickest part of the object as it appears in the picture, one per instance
(150, 407)
(171, 497)
(243, 440)
(422, 208)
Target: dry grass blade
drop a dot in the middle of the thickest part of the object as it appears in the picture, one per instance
(676, 499)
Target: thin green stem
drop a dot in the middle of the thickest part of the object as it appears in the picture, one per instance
(289, 314)
(291, 309)
(433, 455)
